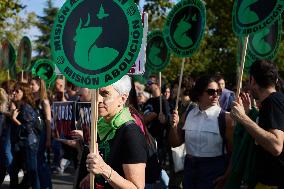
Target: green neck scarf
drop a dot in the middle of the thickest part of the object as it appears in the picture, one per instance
(106, 130)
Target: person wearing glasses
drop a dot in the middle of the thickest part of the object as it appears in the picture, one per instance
(23, 138)
(205, 162)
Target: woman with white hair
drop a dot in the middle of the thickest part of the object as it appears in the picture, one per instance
(122, 156)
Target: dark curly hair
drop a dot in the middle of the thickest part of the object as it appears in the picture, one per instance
(265, 73)
(28, 96)
(200, 85)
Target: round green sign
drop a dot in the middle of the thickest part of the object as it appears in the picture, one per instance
(252, 16)
(184, 27)
(8, 55)
(44, 68)
(265, 43)
(95, 43)
(24, 53)
(157, 53)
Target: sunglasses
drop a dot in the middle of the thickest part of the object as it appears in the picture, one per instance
(17, 91)
(212, 92)
(150, 83)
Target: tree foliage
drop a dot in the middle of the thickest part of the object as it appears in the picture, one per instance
(45, 24)
(157, 8)
(8, 8)
(13, 26)
(218, 49)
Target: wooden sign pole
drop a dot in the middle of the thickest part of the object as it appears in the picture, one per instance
(160, 84)
(243, 59)
(94, 120)
(8, 73)
(179, 84)
(22, 76)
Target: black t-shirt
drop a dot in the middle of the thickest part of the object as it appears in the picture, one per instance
(127, 147)
(270, 169)
(155, 127)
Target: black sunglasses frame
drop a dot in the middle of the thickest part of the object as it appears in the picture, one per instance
(212, 92)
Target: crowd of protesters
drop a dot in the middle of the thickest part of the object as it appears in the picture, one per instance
(229, 141)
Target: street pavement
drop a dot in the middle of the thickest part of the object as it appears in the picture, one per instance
(59, 181)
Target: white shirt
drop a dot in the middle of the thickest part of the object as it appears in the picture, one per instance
(202, 135)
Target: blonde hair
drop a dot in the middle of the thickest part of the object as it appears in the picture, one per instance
(3, 100)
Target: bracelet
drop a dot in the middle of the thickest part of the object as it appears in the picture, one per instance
(109, 177)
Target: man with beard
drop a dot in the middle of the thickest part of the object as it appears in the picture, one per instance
(268, 131)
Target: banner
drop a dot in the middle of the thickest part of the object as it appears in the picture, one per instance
(138, 67)
(83, 117)
(64, 118)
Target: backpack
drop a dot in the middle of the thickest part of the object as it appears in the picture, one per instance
(153, 167)
(40, 119)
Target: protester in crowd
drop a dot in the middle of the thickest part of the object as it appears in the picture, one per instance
(5, 144)
(24, 139)
(227, 96)
(205, 162)
(7, 157)
(63, 152)
(44, 113)
(185, 102)
(157, 123)
(121, 164)
(142, 99)
(242, 173)
(184, 106)
(59, 90)
(167, 94)
(71, 92)
(268, 132)
(139, 87)
(82, 136)
(166, 91)
(153, 167)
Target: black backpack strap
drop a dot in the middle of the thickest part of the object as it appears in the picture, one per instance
(222, 128)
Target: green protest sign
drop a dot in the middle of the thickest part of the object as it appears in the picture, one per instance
(251, 16)
(44, 68)
(95, 43)
(157, 53)
(24, 53)
(8, 54)
(265, 43)
(8, 58)
(184, 27)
